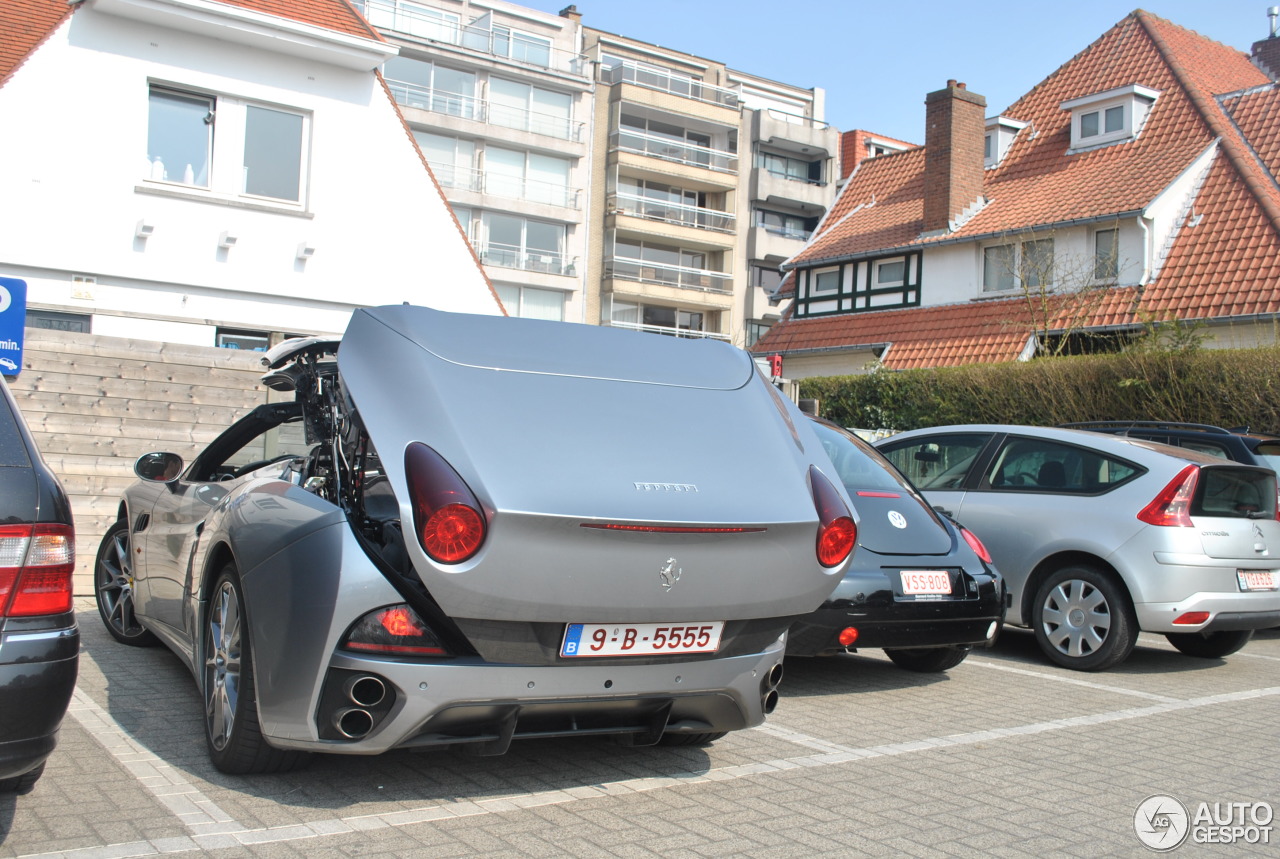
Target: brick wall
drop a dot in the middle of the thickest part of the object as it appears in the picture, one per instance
(955, 125)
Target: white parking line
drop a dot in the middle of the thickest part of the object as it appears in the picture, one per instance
(211, 828)
(1074, 681)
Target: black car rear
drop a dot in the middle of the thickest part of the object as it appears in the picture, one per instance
(39, 639)
(919, 586)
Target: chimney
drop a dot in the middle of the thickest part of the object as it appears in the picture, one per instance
(955, 125)
(1266, 53)
(572, 13)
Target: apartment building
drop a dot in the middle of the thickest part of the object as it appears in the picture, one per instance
(498, 97)
(607, 180)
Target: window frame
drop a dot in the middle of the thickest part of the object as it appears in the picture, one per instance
(1106, 268)
(1015, 268)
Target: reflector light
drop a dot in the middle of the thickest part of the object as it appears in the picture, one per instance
(975, 544)
(1192, 618)
(848, 636)
(837, 532)
(667, 529)
(394, 630)
(36, 563)
(1172, 507)
(446, 514)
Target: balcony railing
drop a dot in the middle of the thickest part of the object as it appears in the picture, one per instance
(672, 213)
(669, 149)
(665, 81)
(786, 232)
(512, 256)
(796, 119)
(467, 107)
(644, 271)
(532, 190)
(667, 330)
(412, 19)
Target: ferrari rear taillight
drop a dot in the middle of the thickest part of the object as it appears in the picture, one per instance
(36, 563)
(393, 631)
(447, 518)
(837, 532)
(1172, 507)
(975, 544)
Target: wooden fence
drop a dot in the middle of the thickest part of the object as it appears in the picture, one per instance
(95, 404)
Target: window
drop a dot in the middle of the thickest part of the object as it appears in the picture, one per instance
(1025, 265)
(891, 272)
(765, 278)
(52, 320)
(655, 318)
(1038, 465)
(253, 341)
(514, 242)
(524, 47)
(425, 85)
(413, 19)
(529, 108)
(783, 224)
(790, 168)
(260, 152)
(452, 159)
(1112, 116)
(531, 303)
(825, 282)
(1106, 246)
(938, 462)
(527, 176)
(755, 330)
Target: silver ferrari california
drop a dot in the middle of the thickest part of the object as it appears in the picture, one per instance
(452, 529)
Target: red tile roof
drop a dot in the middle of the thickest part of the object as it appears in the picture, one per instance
(25, 24)
(1226, 264)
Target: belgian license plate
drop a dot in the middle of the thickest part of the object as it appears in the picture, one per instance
(926, 582)
(1258, 580)
(640, 639)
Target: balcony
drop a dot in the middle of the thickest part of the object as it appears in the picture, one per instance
(514, 187)
(670, 149)
(695, 279)
(783, 188)
(794, 133)
(662, 80)
(665, 329)
(467, 107)
(411, 19)
(511, 256)
(672, 213)
(764, 243)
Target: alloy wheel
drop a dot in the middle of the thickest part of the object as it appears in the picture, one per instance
(222, 664)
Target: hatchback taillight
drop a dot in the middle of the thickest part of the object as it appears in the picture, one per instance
(36, 563)
(1172, 507)
(975, 544)
(447, 518)
(837, 532)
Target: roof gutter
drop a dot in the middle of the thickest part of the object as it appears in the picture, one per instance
(979, 237)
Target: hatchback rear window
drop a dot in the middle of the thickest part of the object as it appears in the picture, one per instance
(13, 452)
(1236, 493)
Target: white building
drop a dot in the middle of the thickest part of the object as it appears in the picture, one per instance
(214, 173)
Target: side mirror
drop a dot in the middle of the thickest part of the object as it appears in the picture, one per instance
(158, 467)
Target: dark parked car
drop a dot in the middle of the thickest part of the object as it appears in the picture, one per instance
(1235, 444)
(39, 639)
(920, 586)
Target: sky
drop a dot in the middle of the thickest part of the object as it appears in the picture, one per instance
(877, 60)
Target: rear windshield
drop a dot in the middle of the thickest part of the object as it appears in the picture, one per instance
(1236, 493)
(859, 466)
(13, 452)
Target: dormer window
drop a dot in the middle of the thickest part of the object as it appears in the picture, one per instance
(1114, 116)
(1001, 130)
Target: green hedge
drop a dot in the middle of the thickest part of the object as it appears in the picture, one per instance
(1225, 387)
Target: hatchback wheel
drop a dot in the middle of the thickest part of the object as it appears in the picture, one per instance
(1211, 645)
(929, 660)
(113, 588)
(231, 722)
(1082, 619)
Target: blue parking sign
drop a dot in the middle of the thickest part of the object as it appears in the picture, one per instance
(13, 320)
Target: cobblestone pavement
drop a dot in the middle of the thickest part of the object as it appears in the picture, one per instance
(1004, 755)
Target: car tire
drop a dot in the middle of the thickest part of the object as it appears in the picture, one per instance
(928, 660)
(113, 589)
(691, 739)
(232, 730)
(1211, 645)
(1083, 619)
(22, 783)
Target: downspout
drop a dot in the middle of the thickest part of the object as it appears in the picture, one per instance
(1146, 248)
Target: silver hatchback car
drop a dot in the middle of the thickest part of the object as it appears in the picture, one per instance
(1099, 537)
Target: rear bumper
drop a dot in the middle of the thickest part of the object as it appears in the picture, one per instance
(37, 677)
(1227, 611)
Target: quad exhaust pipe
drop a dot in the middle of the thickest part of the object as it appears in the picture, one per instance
(364, 691)
(769, 689)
